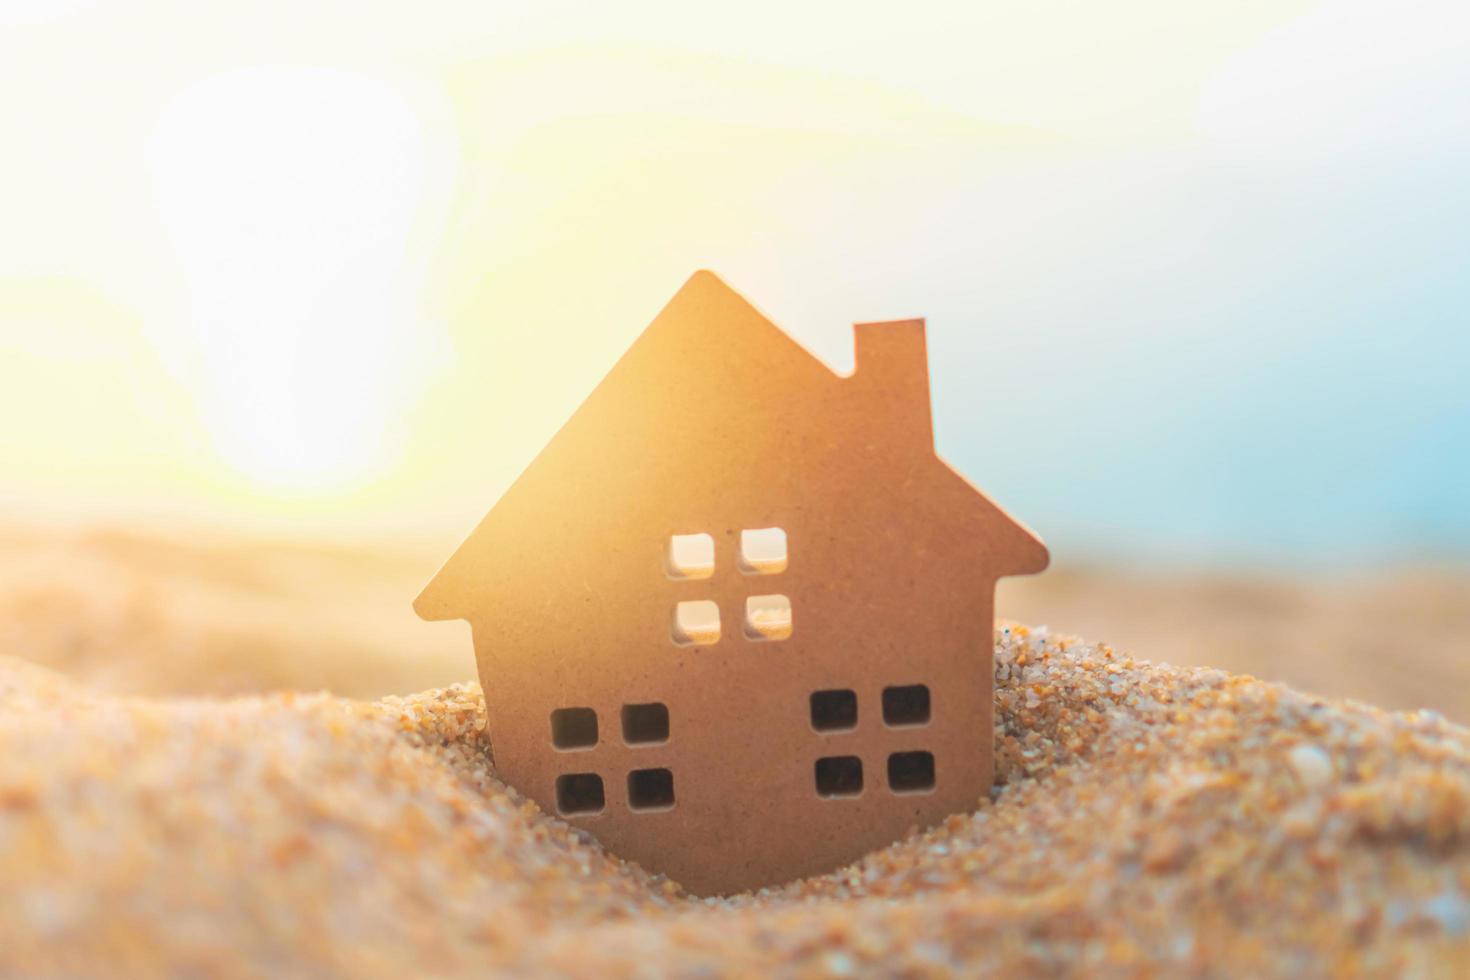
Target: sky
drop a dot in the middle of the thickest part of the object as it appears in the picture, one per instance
(1193, 273)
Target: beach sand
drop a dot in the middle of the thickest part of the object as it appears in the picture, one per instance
(1146, 818)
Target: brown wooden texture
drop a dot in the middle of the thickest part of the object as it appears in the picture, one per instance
(715, 421)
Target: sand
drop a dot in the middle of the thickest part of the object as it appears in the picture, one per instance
(1146, 819)
(1394, 636)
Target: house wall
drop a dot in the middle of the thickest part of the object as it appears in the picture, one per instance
(885, 591)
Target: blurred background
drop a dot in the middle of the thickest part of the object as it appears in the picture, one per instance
(289, 294)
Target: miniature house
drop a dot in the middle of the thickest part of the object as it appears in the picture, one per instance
(735, 620)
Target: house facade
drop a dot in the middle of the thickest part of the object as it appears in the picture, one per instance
(736, 619)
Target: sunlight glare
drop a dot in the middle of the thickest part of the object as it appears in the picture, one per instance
(290, 195)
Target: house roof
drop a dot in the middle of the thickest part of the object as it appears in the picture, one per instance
(710, 353)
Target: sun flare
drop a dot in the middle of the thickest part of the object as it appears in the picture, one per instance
(290, 196)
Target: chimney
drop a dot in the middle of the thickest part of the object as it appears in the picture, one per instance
(892, 373)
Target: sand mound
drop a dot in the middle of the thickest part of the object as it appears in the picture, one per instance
(1144, 817)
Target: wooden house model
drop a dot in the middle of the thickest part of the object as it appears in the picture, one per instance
(735, 620)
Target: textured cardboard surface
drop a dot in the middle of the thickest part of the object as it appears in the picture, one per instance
(713, 423)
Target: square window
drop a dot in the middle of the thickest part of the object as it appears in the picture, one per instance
(834, 711)
(907, 705)
(579, 792)
(650, 789)
(574, 728)
(690, 556)
(645, 724)
(839, 775)
(763, 551)
(911, 772)
(767, 617)
(696, 623)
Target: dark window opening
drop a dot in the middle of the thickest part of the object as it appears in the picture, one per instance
(650, 789)
(834, 711)
(579, 792)
(839, 775)
(644, 724)
(911, 772)
(573, 728)
(906, 705)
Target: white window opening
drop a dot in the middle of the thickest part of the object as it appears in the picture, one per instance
(691, 556)
(696, 623)
(763, 551)
(767, 617)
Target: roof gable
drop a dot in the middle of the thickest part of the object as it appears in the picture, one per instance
(711, 372)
